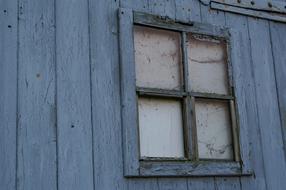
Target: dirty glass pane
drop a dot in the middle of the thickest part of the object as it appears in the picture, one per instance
(157, 58)
(160, 128)
(207, 65)
(214, 129)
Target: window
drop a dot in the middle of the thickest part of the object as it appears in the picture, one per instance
(179, 112)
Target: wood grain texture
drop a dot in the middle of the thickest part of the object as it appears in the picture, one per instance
(178, 169)
(170, 184)
(217, 18)
(37, 167)
(8, 93)
(190, 10)
(246, 102)
(167, 8)
(267, 104)
(277, 32)
(227, 183)
(106, 116)
(140, 183)
(249, 12)
(75, 153)
(129, 109)
(60, 97)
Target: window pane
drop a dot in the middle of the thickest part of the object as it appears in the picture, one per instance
(207, 65)
(157, 58)
(160, 128)
(214, 129)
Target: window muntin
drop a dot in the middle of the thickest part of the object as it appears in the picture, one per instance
(160, 70)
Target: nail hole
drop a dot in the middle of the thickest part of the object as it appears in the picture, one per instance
(269, 4)
(9, 26)
(5, 11)
(252, 2)
(72, 126)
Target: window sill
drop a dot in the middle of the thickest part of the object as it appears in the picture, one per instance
(190, 169)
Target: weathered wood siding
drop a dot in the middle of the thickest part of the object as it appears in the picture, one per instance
(60, 117)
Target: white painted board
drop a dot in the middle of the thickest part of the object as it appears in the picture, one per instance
(207, 65)
(157, 58)
(214, 129)
(160, 128)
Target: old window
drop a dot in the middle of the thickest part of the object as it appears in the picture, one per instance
(179, 109)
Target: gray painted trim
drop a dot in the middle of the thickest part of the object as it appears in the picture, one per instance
(204, 168)
(270, 6)
(177, 25)
(128, 94)
(248, 12)
(240, 129)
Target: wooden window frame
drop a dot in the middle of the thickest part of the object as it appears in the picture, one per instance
(134, 166)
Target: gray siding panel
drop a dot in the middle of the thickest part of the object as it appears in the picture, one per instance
(278, 40)
(245, 91)
(108, 161)
(8, 93)
(60, 108)
(37, 167)
(218, 18)
(167, 8)
(267, 104)
(75, 153)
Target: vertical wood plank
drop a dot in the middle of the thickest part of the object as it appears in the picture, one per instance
(37, 167)
(108, 162)
(135, 5)
(8, 93)
(215, 17)
(227, 183)
(75, 153)
(188, 10)
(201, 184)
(170, 184)
(143, 184)
(277, 31)
(139, 183)
(268, 112)
(246, 102)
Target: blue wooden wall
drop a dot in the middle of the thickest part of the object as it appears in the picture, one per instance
(60, 125)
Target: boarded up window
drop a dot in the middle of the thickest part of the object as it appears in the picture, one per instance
(159, 73)
(213, 129)
(157, 58)
(160, 127)
(207, 65)
(178, 105)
